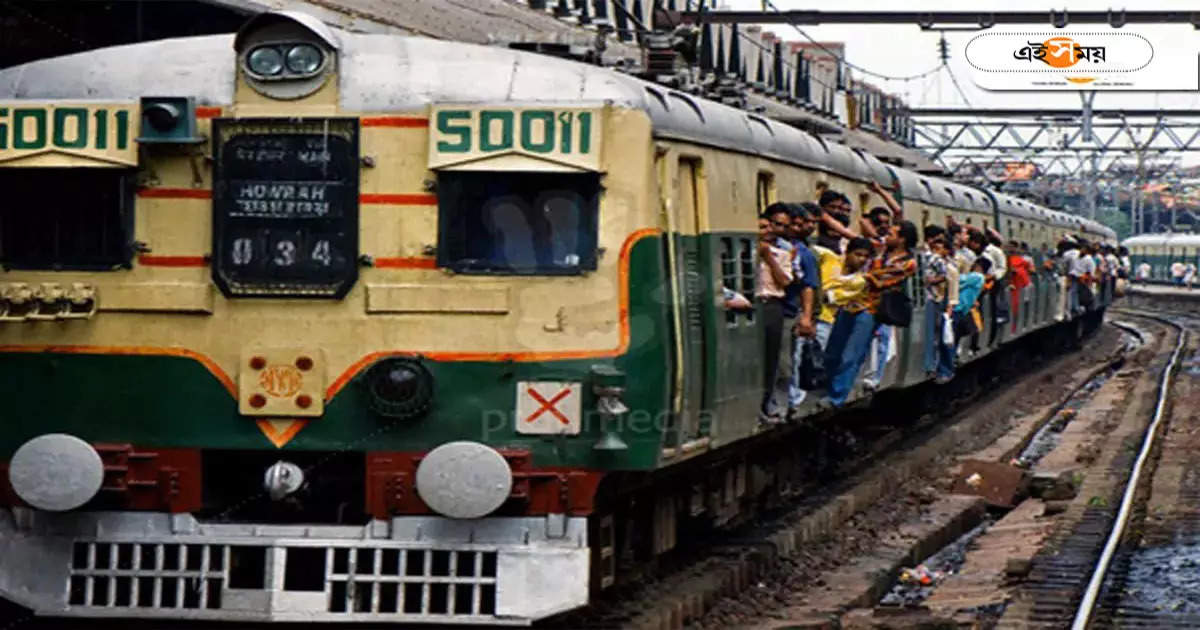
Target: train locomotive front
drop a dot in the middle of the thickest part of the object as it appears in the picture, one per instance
(306, 325)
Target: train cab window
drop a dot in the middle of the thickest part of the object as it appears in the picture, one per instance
(517, 222)
(58, 218)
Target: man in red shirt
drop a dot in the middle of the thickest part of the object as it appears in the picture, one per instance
(1020, 274)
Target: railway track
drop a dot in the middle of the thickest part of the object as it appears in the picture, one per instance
(1113, 567)
(888, 457)
(855, 459)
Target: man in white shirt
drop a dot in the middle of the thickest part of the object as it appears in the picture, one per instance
(1113, 266)
(775, 273)
(1068, 263)
(1177, 271)
(1083, 269)
(1143, 273)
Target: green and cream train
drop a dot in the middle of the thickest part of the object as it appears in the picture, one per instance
(1161, 251)
(307, 325)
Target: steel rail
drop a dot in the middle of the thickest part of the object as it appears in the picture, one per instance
(1083, 614)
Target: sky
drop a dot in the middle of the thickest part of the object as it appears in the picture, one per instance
(900, 50)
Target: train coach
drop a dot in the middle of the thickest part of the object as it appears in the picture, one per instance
(1161, 251)
(306, 325)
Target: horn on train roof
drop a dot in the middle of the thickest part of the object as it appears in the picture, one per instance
(318, 28)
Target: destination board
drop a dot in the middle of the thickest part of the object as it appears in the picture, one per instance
(285, 207)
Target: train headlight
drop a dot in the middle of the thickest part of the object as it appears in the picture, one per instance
(265, 61)
(399, 388)
(304, 59)
(464, 480)
(56, 472)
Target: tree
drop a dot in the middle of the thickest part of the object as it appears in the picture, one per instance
(1118, 221)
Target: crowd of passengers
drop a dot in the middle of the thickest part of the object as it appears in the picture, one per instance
(832, 294)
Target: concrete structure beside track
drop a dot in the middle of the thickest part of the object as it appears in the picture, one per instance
(1162, 297)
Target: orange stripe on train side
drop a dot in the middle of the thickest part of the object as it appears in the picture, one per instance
(175, 193)
(394, 121)
(622, 342)
(422, 262)
(398, 199)
(208, 112)
(208, 363)
(359, 365)
(172, 261)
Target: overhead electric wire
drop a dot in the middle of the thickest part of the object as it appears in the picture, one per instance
(957, 87)
(842, 60)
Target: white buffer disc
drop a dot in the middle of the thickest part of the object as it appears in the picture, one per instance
(56, 472)
(464, 479)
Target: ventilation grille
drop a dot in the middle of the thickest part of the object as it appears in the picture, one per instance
(363, 582)
(142, 575)
(413, 581)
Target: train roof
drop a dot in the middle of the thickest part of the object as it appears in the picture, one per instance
(1163, 239)
(395, 73)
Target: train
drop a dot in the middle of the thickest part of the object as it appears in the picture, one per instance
(302, 324)
(1162, 250)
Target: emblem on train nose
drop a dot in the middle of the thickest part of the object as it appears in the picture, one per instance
(280, 380)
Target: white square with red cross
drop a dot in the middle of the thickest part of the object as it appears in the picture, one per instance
(549, 407)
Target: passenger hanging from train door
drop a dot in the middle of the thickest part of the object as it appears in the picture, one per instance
(850, 338)
(877, 222)
(1020, 272)
(978, 243)
(933, 274)
(835, 213)
(774, 275)
(998, 294)
(1056, 273)
(968, 321)
(828, 250)
(941, 291)
(957, 242)
(946, 349)
(1126, 262)
(1083, 266)
(1070, 255)
(805, 290)
(1115, 272)
(890, 301)
(1029, 296)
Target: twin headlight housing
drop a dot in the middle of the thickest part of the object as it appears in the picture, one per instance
(285, 61)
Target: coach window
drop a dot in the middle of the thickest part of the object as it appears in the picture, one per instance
(533, 223)
(766, 190)
(59, 218)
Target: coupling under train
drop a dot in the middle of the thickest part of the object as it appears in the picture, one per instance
(300, 324)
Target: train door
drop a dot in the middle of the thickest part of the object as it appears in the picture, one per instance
(691, 316)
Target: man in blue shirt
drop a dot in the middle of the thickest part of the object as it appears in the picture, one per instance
(800, 303)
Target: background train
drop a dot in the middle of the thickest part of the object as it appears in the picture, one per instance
(1161, 251)
(302, 324)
